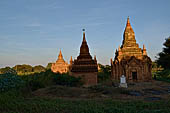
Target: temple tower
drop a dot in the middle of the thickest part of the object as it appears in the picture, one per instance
(130, 60)
(84, 66)
(60, 66)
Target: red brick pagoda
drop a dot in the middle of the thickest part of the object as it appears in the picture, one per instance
(84, 66)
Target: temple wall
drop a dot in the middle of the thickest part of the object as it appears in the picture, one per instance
(143, 72)
(60, 68)
(88, 79)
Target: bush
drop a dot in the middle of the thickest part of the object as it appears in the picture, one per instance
(65, 79)
(163, 75)
(39, 80)
(103, 76)
(10, 81)
(104, 73)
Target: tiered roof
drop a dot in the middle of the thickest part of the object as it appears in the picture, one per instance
(84, 62)
(129, 46)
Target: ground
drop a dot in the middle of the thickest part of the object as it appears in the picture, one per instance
(145, 91)
(149, 97)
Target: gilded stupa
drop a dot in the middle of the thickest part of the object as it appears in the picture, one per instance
(60, 66)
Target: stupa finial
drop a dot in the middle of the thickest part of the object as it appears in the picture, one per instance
(60, 56)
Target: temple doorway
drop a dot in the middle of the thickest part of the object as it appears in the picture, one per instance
(134, 76)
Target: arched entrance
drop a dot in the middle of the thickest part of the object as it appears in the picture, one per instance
(134, 75)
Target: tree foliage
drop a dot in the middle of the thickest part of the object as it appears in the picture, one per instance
(39, 80)
(38, 69)
(48, 66)
(23, 68)
(67, 80)
(7, 70)
(164, 56)
(104, 72)
(10, 81)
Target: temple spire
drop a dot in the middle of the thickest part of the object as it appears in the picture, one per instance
(71, 60)
(111, 61)
(128, 22)
(128, 26)
(144, 47)
(60, 56)
(95, 58)
(128, 36)
(84, 49)
(144, 50)
(84, 37)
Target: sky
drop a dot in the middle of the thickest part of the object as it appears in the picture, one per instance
(33, 31)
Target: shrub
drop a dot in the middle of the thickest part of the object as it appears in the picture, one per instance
(104, 73)
(10, 81)
(65, 79)
(39, 80)
(103, 76)
(164, 73)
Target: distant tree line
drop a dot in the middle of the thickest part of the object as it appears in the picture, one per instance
(25, 69)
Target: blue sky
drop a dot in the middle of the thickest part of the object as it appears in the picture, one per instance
(33, 31)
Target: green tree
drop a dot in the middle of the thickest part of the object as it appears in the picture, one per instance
(48, 66)
(23, 68)
(7, 70)
(164, 56)
(104, 72)
(38, 69)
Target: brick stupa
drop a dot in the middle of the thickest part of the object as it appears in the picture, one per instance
(130, 60)
(84, 66)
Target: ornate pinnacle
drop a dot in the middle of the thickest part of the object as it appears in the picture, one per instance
(60, 56)
(84, 39)
(71, 60)
(95, 57)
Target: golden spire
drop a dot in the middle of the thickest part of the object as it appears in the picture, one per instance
(144, 50)
(60, 56)
(71, 60)
(128, 22)
(128, 26)
(129, 35)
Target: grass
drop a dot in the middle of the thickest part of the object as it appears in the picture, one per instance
(15, 102)
(23, 101)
